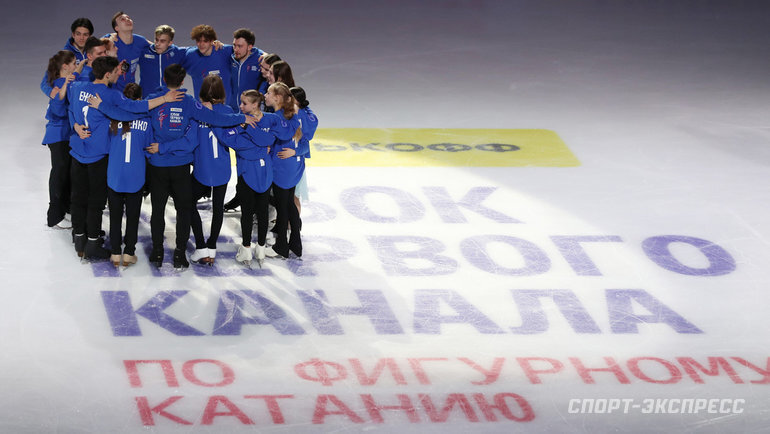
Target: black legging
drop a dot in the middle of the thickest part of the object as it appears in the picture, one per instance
(59, 182)
(173, 181)
(287, 213)
(252, 203)
(89, 195)
(133, 205)
(217, 213)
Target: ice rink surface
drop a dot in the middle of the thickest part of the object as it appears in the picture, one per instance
(621, 291)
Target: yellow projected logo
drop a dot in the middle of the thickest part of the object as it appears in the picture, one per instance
(372, 147)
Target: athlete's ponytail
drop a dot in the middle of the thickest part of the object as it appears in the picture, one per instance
(300, 96)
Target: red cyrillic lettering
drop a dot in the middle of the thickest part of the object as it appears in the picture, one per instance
(368, 380)
(502, 406)
(133, 372)
(272, 405)
(145, 411)
(489, 376)
(633, 365)
(532, 374)
(321, 412)
(211, 411)
(322, 375)
(585, 373)
(443, 415)
(689, 364)
(375, 413)
(188, 370)
(416, 365)
(764, 372)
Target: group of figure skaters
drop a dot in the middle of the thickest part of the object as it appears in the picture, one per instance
(112, 141)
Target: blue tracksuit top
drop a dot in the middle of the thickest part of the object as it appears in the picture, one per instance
(211, 159)
(308, 123)
(95, 147)
(286, 172)
(199, 66)
(152, 64)
(86, 75)
(126, 164)
(243, 76)
(131, 54)
(80, 56)
(58, 127)
(251, 151)
(171, 121)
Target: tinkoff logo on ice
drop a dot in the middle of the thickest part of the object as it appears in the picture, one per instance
(375, 147)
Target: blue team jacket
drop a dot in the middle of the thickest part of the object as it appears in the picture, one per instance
(58, 127)
(126, 164)
(131, 54)
(79, 57)
(211, 159)
(308, 123)
(152, 64)
(286, 172)
(251, 151)
(95, 147)
(199, 66)
(171, 121)
(243, 76)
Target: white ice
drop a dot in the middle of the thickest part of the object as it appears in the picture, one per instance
(664, 103)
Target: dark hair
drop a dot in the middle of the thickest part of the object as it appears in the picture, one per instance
(91, 43)
(203, 31)
(282, 73)
(246, 34)
(271, 58)
(82, 22)
(212, 90)
(103, 65)
(299, 95)
(55, 63)
(131, 91)
(174, 75)
(254, 96)
(115, 18)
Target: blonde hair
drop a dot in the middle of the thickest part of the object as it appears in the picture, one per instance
(282, 90)
(165, 29)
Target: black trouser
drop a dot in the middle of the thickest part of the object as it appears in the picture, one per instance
(173, 181)
(133, 205)
(59, 190)
(287, 213)
(252, 203)
(217, 213)
(89, 195)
